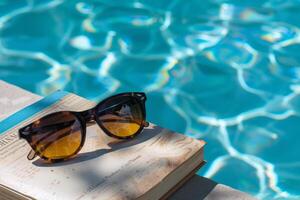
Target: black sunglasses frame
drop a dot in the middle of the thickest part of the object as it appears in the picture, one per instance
(88, 118)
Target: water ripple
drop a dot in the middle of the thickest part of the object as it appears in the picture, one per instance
(224, 71)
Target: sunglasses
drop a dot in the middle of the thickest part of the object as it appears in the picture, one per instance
(61, 135)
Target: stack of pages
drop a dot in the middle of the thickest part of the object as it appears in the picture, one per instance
(150, 166)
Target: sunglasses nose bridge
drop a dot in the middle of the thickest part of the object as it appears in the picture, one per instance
(89, 116)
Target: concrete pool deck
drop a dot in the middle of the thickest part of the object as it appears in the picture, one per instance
(13, 99)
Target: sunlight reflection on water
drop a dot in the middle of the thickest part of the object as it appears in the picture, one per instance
(224, 71)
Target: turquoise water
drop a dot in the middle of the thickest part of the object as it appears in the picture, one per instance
(224, 71)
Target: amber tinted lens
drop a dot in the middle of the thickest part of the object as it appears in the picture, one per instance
(121, 116)
(57, 136)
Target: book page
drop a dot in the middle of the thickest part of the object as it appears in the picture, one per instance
(105, 168)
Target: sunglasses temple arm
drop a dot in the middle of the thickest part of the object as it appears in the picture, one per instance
(31, 155)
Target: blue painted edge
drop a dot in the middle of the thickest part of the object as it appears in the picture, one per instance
(30, 110)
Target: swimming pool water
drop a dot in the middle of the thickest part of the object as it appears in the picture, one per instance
(224, 71)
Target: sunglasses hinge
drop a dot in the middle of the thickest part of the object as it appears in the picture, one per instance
(24, 133)
(141, 96)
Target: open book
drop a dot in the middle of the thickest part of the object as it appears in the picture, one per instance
(150, 166)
